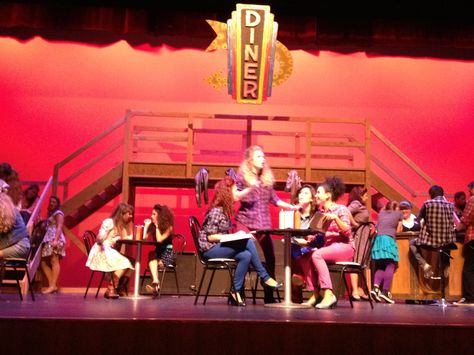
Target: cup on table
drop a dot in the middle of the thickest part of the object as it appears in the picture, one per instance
(138, 232)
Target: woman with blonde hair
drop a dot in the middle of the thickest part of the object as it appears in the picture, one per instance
(254, 189)
(104, 256)
(14, 238)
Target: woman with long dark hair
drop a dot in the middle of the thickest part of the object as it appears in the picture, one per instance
(160, 228)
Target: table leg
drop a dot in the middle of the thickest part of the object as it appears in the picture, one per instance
(287, 265)
(136, 282)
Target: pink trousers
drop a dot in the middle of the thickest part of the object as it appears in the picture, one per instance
(315, 262)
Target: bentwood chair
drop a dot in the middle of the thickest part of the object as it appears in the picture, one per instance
(215, 264)
(364, 237)
(89, 240)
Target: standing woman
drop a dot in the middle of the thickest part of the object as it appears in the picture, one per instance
(160, 228)
(385, 251)
(104, 256)
(338, 243)
(54, 245)
(217, 224)
(356, 204)
(254, 190)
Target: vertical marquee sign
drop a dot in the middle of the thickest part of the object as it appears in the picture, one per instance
(251, 42)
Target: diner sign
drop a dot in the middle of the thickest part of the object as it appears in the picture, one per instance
(251, 43)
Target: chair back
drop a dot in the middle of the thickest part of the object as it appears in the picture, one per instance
(195, 228)
(89, 239)
(364, 237)
(179, 243)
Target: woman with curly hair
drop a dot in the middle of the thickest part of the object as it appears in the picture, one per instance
(338, 243)
(254, 189)
(218, 225)
(14, 239)
(160, 229)
(103, 255)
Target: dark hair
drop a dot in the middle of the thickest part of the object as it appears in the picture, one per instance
(391, 206)
(470, 186)
(436, 191)
(459, 194)
(356, 194)
(33, 187)
(334, 186)
(314, 205)
(165, 217)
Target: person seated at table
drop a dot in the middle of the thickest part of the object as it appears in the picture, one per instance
(410, 222)
(217, 224)
(14, 238)
(159, 228)
(338, 243)
(104, 256)
(301, 245)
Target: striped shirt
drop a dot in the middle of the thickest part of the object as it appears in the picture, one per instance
(438, 227)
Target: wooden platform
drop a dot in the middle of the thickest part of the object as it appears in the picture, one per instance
(68, 324)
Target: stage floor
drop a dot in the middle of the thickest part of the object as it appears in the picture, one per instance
(179, 325)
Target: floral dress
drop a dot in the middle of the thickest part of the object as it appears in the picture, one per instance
(103, 256)
(50, 235)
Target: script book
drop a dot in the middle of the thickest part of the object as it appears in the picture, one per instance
(235, 236)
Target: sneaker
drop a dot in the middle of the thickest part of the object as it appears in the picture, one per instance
(464, 302)
(427, 272)
(375, 294)
(386, 296)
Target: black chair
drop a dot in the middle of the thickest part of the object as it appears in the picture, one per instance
(179, 244)
(214, 264)
(364, 237)
(18, 268)
(89, 240)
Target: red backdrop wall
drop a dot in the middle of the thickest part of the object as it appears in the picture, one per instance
(57, 96)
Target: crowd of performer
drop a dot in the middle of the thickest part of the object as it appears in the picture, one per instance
(240, 205)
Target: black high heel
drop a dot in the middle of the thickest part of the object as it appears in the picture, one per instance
(235, 299)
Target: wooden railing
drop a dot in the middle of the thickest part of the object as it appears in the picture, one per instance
(195, 139)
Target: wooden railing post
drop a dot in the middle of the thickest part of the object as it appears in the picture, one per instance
(368, 160)
(309, 145)
(189, 150)
(126, 159)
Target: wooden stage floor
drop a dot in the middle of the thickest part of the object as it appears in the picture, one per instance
(67, 323)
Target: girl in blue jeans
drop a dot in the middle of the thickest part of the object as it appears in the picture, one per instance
(216, 228)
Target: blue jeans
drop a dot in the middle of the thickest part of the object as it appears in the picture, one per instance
(244, 252)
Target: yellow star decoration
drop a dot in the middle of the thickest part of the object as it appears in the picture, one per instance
(283, 58)
(220, 42)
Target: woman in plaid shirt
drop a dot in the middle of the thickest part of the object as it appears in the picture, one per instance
(218, 225)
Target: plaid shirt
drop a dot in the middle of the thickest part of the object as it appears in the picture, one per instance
(438, 226)
(216, 222)
(254, 212)
(468, 220)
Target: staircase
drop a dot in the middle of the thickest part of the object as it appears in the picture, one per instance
(168, 149)
(93, 197)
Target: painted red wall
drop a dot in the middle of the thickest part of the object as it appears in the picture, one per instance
(57, 96)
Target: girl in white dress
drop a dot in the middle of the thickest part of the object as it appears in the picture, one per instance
(104, 256)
